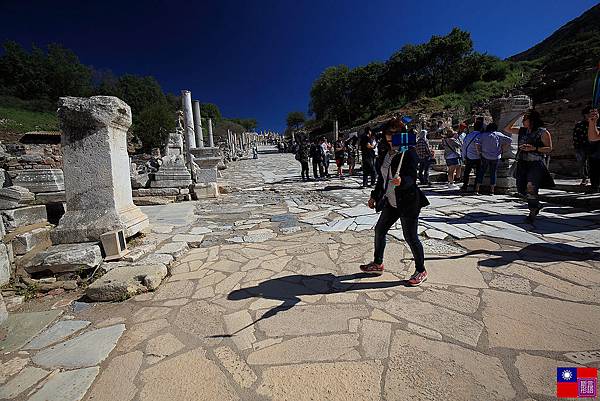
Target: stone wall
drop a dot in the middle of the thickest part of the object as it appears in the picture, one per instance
(16, 156)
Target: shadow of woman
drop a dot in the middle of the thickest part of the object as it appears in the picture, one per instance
(290, 288)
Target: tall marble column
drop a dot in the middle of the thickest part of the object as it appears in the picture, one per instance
(96, 170)
(198, 125)
(335, 130)
(211, 141)
(188, 125)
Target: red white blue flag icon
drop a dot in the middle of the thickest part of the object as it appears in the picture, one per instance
(576, 382)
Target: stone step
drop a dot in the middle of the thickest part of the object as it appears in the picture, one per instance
(578, 200)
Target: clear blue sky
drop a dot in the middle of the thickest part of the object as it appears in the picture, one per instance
(259, 58)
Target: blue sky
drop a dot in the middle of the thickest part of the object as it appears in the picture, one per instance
(259, 58)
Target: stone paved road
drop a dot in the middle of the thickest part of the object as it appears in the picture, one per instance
(271, 307)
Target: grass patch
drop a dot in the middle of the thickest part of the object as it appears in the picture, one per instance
(19, 121)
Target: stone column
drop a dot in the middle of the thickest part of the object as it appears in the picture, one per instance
(96, 166)
(188, 126)
(211, 141)
(198, 125)
(335, 130)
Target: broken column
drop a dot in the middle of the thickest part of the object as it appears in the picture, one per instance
(96, 166)
(188, 126)
(198, 125)
(211, 141)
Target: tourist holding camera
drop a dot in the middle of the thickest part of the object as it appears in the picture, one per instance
(398, 197)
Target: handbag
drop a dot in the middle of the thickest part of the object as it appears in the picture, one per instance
(383, 200)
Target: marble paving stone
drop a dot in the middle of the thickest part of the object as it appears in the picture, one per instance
(210, 324)
(375, 338)
(226, 266)
(12, 367)
(424, 332)
(20, 328)
(85, 350)
(204, 293)
(380, 315)
(175, 249)
(515, 235)
(574, 273)
(211, 279)
(67, 386)
(191, 377)
(141, 332)
(463, 303)
(240, 320)
(539, 374)
(163, 345)
(176, 302)
(179, 289)
(341, 298)
(522, 322)
(476, 244)
(462, 272)
(336, 226)
(509, 283)
(434, 246)
(560, 287)
(21, 382)
(200, 230)
(314, 319)
(225, 286)
(448, 322)
(117, 380)
(422, 369)
(356, 211)
(150, 313)
(58, 332)
(193, 275)
(339, 381)
(238, 369)
(308, 349)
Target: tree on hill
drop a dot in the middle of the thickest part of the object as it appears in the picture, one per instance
(295, 119)
(249, 124)
(210, 110)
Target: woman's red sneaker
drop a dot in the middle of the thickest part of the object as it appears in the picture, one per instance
(372, 268)
(417, 279)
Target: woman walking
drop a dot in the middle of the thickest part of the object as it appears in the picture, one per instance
(452, 149)
(368, 145)
(398, 197)
(535, 143)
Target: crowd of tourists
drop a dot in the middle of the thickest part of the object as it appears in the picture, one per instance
(474, 152)
(395, 172)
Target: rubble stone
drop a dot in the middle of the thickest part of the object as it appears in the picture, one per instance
(66, 258)
(25, 242)
(24, 216)
(15, 196)
(41, 180)
(124, 282)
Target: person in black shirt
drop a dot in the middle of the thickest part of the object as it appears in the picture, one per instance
(367, 146)
(582, 146)
(593, 126)
(316, 154)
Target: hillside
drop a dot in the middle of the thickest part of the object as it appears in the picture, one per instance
(584, 29)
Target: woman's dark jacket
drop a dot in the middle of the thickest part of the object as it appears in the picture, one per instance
(409, 197)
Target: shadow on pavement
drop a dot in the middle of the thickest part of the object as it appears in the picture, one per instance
(290, 288)
(540, 253)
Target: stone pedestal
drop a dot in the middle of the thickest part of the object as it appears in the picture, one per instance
(42, 180)
(174, 145)
(172, 174)
(207, 160)
(96, 167)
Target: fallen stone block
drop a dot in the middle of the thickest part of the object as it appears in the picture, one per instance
(66, 258)
(124, 282)
(24, 216)
(41, 180)
(155, 192)
(175, 249)
(153, 200)
(25, 242)
(193, 241)
(15, 196)
(5, 269)
(44, 198)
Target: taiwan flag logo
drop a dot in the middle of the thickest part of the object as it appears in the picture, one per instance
(576, 382)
